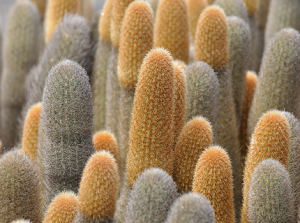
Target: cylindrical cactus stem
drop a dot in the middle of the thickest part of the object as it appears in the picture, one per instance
(121, 205)
(55, 12)
(105, 140)
(234, 8)
(100, 66)
(152, 125)
(251, 81)
(86, 9)
(213, 179)
(41, 6)
(172, 28)
(30, 133)
(202, 93)
(151, 197)
(239, 47)
(192, 208)
(194, 138)
(195, 7)
(67, 120)
(20, 53)
(282, 15)
(278, 78)
(270, 140)
(215, 52)
(20, 187)
(63, 208)
(270, 194)
(98, 190)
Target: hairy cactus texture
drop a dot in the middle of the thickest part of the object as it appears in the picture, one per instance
(21, 221)
(192, 208)
(270, 140)
(261, 19)
(19, 55)
(172, 28)
(278, 79)
(121, 205)
(251, 81)
(55, 12)
(282, 15)
(195, 7)
(151, 197)
(86, 9)
(215, 52)
(30, 133)
(100, 66)
(234, 8)
(66, 119)
(152, 123)
(19, 188)
(104, 140)
(202, 92)
(213, 179)
(98, 190)
(270, 194)
(195, 137)
(63, 208)
(41, 6)
(294, 155)
(239, 47)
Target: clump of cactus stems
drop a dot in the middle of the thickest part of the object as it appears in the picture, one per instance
(98, 190)
(278, 77)
(194, 138)
(66, 120)
(234, 8)
(136, 41)
(86, 9)
(239, 47)
(270, 194)
(213, 179)
(270, 140)
(195, 7)
(215, 52)
(63, 208)
(172, 28)
(19, 188)
(202, 92)
(151, 197)
(55, 12)
(19, 55)
(192, 208)
(152, 124)
(251, 81)
(104, 140)
(282, 15)
(100, 66)
(30, 133)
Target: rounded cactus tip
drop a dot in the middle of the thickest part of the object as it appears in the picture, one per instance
(211, 40)
(105, 140)
(105, 20)
(191, 208)
(98, 189)
(63, 208)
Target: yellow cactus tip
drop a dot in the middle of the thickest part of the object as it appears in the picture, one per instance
(105, 140)
(105, 20)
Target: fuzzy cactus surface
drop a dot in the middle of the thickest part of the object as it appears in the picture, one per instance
(41, 6)
(104, 140)
(234, 8)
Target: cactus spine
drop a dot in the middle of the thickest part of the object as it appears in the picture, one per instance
(278, 77)
(195, 137)
(195, 7)
(19, 188)
(215, 52)
(104, 140)
(66, 119)
(55, 12)
(270, 194)
(63, 208)
(152, 126)
(30, 133)
(213, 179)
(172, 28)
(234, 8)
(98, 190)
(269, 140)
(100, 66)
(192, 208)
(151, 197)
(19, 55)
